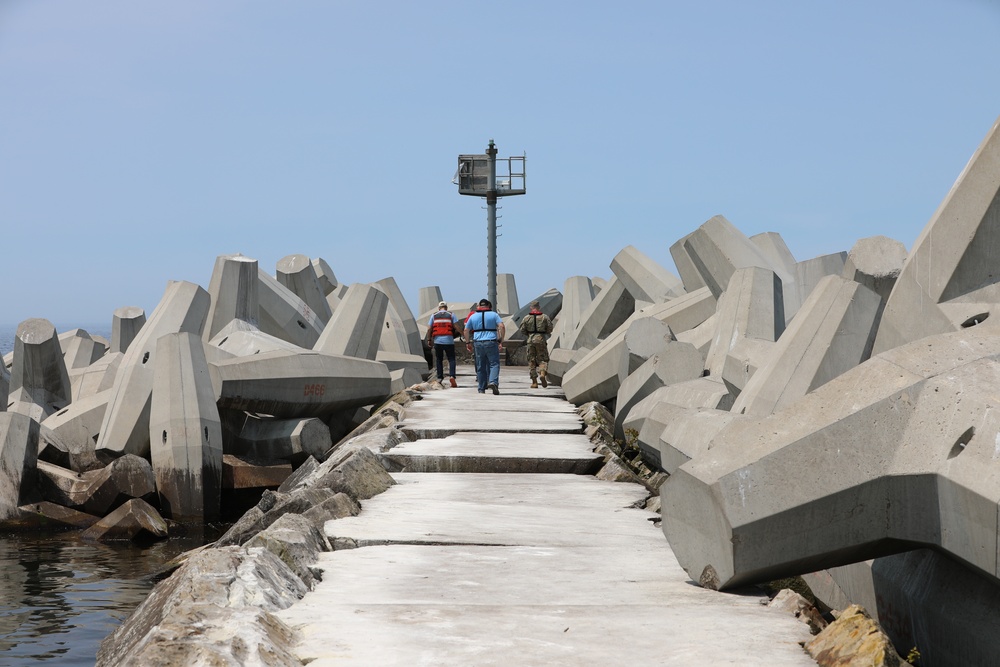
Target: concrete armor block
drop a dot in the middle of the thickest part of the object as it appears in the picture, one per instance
(507, 303)
(39, 383)
(428, 300)
(95, 378)
(185, 431)
(125, 325)
(79, 423)
(809, 272)
(832, 333)
(79, 349)
(606, 313)
(643, 278)
(297, 273)
(183, 309)
(18, 462)
(895, 453)
(240, 339)
(750, 310)
(775, 250)
(308, 384)
(875, 262)
(950, 279)
(578, 294)
(288, 439)
(235, 293)
(673, 362)
(324, 274)
(356, 326)
(717, 249)
(285, 315)
(389, 287)
(550, 303)
(690, 276)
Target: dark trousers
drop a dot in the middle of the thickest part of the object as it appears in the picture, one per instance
(441, 349)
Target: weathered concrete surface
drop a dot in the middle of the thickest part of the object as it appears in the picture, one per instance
(185, 431)
(242, 339)
(471, 556)
(404, 317)
(325, 275)
(291, 439)
(95, 378)
(182, 309)
(675, 362)
(949, 280)
(130, 521)
(809, 272)
(307, 384)
(569, 453)
(895, 453)
(243, 473)
(79, 349)
(97, 492)
(608, 311)
(875, 262)
(578, 294)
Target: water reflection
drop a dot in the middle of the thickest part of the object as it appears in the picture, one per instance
(60, 596)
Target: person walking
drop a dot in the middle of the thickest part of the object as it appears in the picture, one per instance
(441, 332)
(484, 332)
(536, 327)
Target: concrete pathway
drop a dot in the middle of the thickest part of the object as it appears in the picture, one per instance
(463, 565)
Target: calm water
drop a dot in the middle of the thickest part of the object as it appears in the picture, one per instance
(59, 595)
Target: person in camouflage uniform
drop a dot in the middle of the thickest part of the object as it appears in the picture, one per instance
(536, 327)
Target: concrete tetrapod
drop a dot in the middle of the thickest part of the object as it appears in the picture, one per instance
(896, 453)
(285, 315)
(182, 309)
(185, 432)
(609, 309)
(832, 333)
(305, 384)
(507, 303)
(398, 304)
(235, 291)
(125, 325)
(949, 280)
(875, 262)
(39, 383)
(297, 273)
(356, 325)
(79, 349)
(324, 274)
(644, 279)
(18, 462)
(674, 362)
(578, 294)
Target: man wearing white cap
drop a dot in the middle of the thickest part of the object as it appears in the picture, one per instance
(441, 334)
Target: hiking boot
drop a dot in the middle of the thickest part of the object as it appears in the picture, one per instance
(495, 389)
(541, 376)
(534, 385)
(453, 383)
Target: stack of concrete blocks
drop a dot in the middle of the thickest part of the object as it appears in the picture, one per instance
(507, 303)
(18, 460)
(834, 463)
(165, 405)
(283, 314)
(356, 326)
(644, 279)
(608, 311)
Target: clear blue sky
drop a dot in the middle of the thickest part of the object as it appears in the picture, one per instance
(139, 140)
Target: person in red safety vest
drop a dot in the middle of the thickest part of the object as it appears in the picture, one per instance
(441, 332)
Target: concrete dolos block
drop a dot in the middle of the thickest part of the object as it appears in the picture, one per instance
(895, 453)
(183, 309)
(950, 279)
(185, 432)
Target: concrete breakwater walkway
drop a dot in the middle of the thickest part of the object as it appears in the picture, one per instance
(496, 547)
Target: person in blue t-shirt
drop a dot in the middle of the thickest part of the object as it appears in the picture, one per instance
(484, 332)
